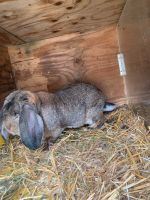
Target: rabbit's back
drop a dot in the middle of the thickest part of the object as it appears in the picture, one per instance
(81, 93)
(72, 107)
(81, 103)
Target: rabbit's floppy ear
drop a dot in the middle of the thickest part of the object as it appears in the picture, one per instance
(31, 127)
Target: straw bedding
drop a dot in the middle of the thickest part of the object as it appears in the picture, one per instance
(111, 163)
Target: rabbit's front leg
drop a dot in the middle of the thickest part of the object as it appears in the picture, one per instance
(49, 141)
(98, 123)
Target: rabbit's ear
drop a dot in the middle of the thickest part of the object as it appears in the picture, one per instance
(31, 127)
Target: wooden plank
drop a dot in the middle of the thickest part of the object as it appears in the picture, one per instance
(40, 19)
(7, 83)
(54, 63)
(7, 38)
(134, 36)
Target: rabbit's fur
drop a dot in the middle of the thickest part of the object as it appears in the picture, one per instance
(37, 116)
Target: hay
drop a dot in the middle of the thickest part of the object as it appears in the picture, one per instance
(111, 163)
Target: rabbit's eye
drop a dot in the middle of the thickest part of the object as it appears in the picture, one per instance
(24, 99)
(16, 114)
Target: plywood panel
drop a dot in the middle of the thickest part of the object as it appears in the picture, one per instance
(54, 63)
(134, 36)
(7, 38)
(7, 83)
(39, 19)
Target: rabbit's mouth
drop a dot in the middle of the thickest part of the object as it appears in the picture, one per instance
(11, 128)
(10, 131)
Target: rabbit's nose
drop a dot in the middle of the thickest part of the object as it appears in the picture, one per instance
(8, 126)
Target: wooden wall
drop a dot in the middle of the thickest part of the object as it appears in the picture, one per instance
(7, 83)
(81, 45)
(7, 38)
(134, 36)
(54, 63)
(32, 20)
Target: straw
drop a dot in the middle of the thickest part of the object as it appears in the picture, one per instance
(110, 163)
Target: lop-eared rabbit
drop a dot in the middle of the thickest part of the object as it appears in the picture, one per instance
(37, 116)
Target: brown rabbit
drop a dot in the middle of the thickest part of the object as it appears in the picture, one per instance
(37, 116)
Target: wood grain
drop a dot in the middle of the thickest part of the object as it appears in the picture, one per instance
(134, 36)
(7, 83)
(34, 20)
(7, 38)
(54, 63)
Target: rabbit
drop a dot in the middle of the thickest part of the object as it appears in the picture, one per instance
(36, 116)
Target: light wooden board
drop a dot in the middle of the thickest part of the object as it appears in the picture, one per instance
(134, 36)
(54, 63)
(32, 20)
(7, 83)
